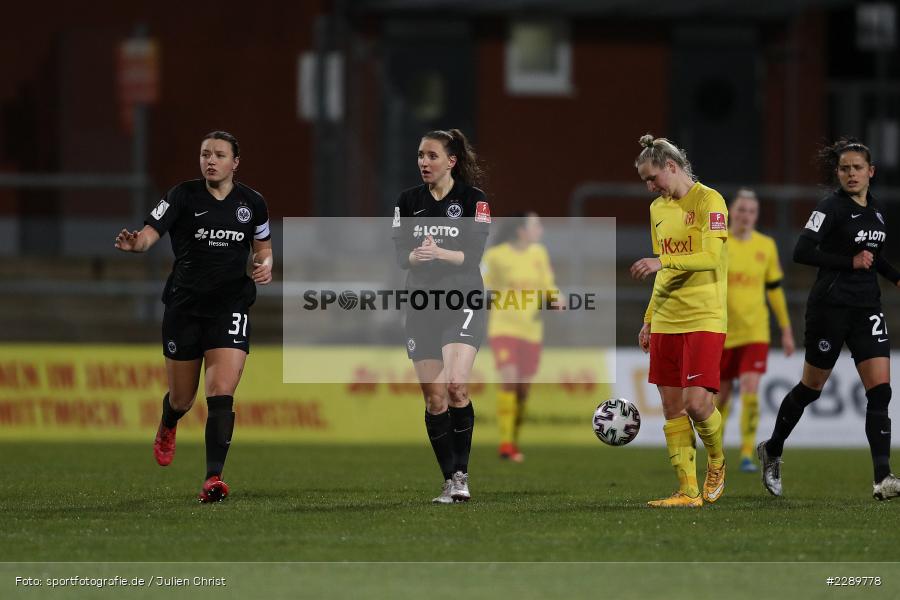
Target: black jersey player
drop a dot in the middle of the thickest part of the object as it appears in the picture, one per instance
(844, 237)
(439, 231)
(214, 224)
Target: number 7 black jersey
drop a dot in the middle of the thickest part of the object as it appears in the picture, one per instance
(459, 221)
(841, 228)
(212, 240)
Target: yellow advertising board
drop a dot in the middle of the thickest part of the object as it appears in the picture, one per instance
(106, 392)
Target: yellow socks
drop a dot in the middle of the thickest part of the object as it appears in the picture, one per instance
(710, 431)
(520, 416)
(749, 423)
(507, 406)
(682, 454)
(724, 411)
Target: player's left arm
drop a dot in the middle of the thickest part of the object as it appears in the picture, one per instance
(429, 250)
(774, 291)
(475, 234)
(713, 218)
(887, 270)
(778, 302)
(553, 293)
(713, 233)
(707, 259)
(263, 258)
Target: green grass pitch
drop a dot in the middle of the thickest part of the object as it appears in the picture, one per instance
(109, 502)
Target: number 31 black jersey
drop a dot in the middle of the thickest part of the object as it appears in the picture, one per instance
(211, 240)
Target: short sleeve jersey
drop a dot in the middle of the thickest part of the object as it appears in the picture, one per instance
(459, 221)
(687, 301)
(517, 276)
(752, 264)
(842, 227)
(211, 240)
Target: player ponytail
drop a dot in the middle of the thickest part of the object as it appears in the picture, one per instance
(659, 150)
(829, 157)
(456, 144)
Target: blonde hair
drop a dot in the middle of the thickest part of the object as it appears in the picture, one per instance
(658, 150)
(745, 192)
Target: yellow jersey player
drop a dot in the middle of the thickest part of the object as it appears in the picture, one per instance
(754, 274)
(518, 270)
(685, 323)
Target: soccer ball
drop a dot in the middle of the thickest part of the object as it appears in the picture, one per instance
(617, 422)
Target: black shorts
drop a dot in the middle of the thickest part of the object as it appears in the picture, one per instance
(427, 331)
(186, 336)
(828, 328)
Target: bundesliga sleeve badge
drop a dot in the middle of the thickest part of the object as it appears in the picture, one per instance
(815, 220)
(482, 213)
(717, 221)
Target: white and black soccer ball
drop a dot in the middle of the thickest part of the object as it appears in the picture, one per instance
(616, 422)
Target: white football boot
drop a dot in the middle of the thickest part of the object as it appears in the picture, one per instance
(771, 470)
(445, 497)
(887, 488)
(459, 487)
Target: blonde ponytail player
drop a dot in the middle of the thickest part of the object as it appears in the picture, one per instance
(685, 323)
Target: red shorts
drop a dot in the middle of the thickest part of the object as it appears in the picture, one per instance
(749, 358)
(514, 351)
(686, 359)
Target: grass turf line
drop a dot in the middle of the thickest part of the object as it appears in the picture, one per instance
(111, 502)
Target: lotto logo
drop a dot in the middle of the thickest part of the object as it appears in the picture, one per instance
(439, 230)
(219, 234)
(869, 236)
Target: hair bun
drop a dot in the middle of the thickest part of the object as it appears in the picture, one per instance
(646, 141)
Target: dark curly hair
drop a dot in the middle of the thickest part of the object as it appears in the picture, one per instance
(829, 156)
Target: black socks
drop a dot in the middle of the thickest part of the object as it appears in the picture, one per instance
(878, 429)
(463, 421)
(440, 433)
(170, 416)
(789, 415)
(451, 438)
(219, 427)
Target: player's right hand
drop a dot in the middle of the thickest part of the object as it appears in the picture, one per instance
(863, 260)
(126, 240)
(644, 338)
